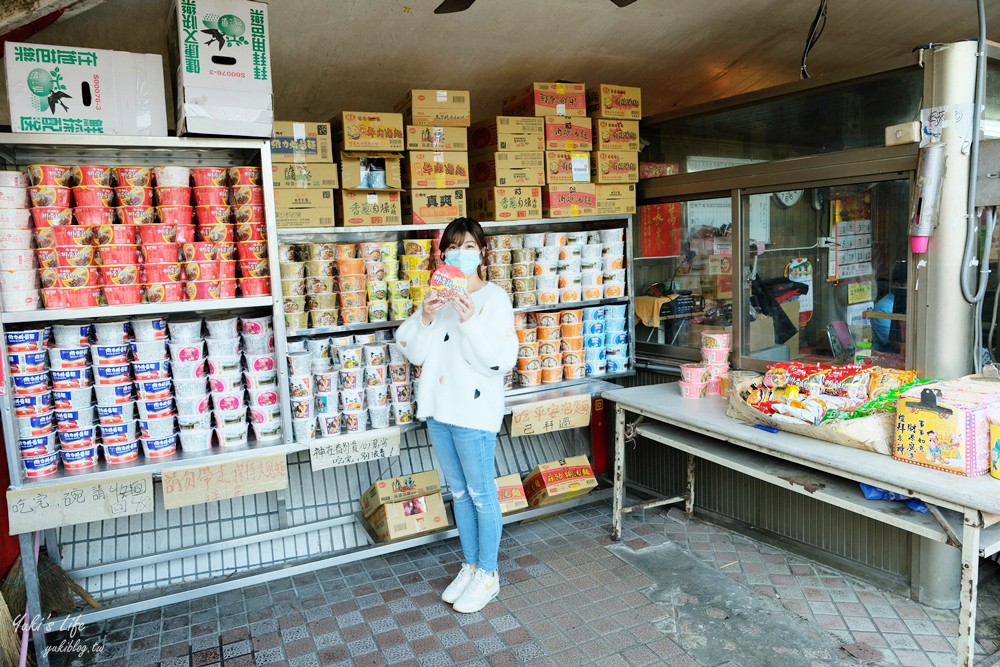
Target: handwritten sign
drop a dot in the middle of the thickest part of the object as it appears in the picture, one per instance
(549, 416)
(355, 448)
(859, 292)
(78, 501)
(199, 484)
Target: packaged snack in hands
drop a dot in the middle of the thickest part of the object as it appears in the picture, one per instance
(448, 282)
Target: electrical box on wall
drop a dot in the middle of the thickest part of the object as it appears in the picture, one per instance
(904, 133)
(988, 179)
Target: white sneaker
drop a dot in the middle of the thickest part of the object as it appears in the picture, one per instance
(457, 587)
(483, 588)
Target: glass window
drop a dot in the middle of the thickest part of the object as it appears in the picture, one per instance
(827, 274)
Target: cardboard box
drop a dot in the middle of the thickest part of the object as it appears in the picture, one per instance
(438, 169)
(567, 167)
(369, 131)
(509, 168)
(658, 169)
(301, 142)
(563, 133)
(395, 489)
(360, 208)
(560, 201)
(285, 198)
(511, 494)
(616, 199)
(614, 167)
(356, 167)
(950, 431)
(559, 480)
(611, 101)
(305, 175)
(305, 217)
(414, 516)
(84, 91)
(762, 333)
(616, 135)
(424, 138)
(220, 52)
(508, 133)
(446, 108)
(547, 99)
(717, 286)
(506, 203)
(432, 207)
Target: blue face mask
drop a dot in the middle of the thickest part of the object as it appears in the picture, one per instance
(465, 260)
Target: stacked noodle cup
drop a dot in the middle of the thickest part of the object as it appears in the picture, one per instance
(294, 285)
(225, 380)
(415, 268)
(257, 335)
(300, 392)
(381, 266)
(34, 412)
(156, 401)
(247, 202)
(319, 285)
(18, 267)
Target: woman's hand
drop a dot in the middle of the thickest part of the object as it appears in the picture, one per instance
(432, 303)
(463, 306)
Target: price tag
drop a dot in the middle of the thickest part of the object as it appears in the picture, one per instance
(348, 449)
(442, 96)
(560, 109)
(574, 209)
(581, 166)
(557, 414)
(441, 181)
(195, 485)
(859, 292)
(79, 501)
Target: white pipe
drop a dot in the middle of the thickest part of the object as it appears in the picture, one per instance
(969, 257)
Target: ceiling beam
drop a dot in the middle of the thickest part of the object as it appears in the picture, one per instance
(20, 19)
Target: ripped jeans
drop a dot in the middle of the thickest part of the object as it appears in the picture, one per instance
(467, 458)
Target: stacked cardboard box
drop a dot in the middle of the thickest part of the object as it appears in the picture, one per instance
(508, 168)
(371, 145)
(437, 138)
(406, 505)
(304, 174)
(223, 64)
(616, 111)
(510, 491)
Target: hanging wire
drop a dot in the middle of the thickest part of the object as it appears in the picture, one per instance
(815, 30)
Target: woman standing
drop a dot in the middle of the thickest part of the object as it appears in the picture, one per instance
(466, 344)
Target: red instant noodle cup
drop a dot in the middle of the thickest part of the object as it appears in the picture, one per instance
(86, 297)
(209, 176)
(92, 175)
(94, 215)
(176, 215)
(158, 233)
(211, 196)
(245, 176)
(50, 174)
(199, 251)
(247, 195)
(115, 235)
(120, 274)
(186, 233)
(137, 177)
(205, 270)
(255, 286)
(202, 290)
(252, 250)
(166, 272)
(164, 292)
(255, 268)
(51, 216)
(73, 278)
(227, 270)
(173, 196)
(134, 196)
(251, 231)
(212, 215)
(49, 195)
(118, 255)
(67, 235)
(46, 237)
(226, 251)
(52, 298)
(48, 258)
(155, 253)
(75, 256)
(93, 196)
(216, 233)
(137, 215)
(122, 295)
(249, 214)
(227, 288)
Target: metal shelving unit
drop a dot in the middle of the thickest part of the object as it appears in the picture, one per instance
(118, 312)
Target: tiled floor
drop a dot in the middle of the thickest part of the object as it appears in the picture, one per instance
(570, 597)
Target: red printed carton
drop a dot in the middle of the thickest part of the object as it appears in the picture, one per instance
(611, 101)
(561, 201)
(564, 133)
(400, 488)
(547, 99)
(511, 493)
(559, 480)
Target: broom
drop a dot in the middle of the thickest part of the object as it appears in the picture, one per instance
(56, 587)
(10, 645)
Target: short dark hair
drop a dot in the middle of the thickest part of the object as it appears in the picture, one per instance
(455, 233)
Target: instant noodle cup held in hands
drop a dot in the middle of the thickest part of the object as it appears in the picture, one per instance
(448, 282)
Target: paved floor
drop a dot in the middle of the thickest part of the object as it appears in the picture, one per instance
(675, 592)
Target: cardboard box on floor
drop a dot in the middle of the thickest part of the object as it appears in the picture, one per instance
(511, 493)
(432, 207)
(413, 516)
(301, 142)
(395, 489)
(559, 480)
(70, 90)
(305, 175)
(507, 203)
(444, 108)
(361, 208)
(508, 133)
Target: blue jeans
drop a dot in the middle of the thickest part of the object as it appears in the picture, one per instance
(467, 459)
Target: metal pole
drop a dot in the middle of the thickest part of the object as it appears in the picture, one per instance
(618, 500)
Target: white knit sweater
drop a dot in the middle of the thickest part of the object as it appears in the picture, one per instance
(464, 363)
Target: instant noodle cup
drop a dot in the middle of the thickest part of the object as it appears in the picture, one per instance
(17, 281)
(68, 235)
(263, 397)
(115, 235)
(108, 373)
(120, 453)
(45, 195)
(121, 275)
(40, 465)
(528, 378)
(36, 362)
(35, 425)
(569, 295)
(574, 371)
(551, 360)
(614, 290)
(79, 458)
(249, 214)
(295, 304)
(17, 260)
(351, 283)
(255, 287)
(570, 357)
(157, 233)
(226, 250)
(693, 390)
(22, 300)
(255, 268)
(140, 177)
(162, 272)
(194, 406)
(212, 215)
(345, 251)
(173, 196)
(717, 370)
(529, 363)
(20, 239)
(175, 214)
(694, 373)
(527, 349)
(207, 270)
(249, 231)
(227, 271)
(571, 343)
(89, 196)
(155, 390)
(166, 292)
(593, 293)
(349, 267)
(411, 263)
(715, 355)
(38, 446)
(548, 332)
(134, 196)
(293, 287)
(354, 315)
(321, 301)
(551, 375)
(262, 343)
(137, 215)
(571, 330)
(196, 440)
(199, 251)
(244, 176)
(17, 198)
(323, 318)
(222, 347)
(251, 250)
(119, 255)
(321, 251)
(370, 251)
(159, 448)
(123, 295)
(74, 279)
(28, 340)
(50, 174)
(547, 296)
(145, 371)
(159, 253)
(209, 176)
(715, 339)
(202, 290)
(418, 279)
(90, 175)
(353, 300)
(14, 179)
(247, 195)
(94, 215)
(211, 196)
(50, 216)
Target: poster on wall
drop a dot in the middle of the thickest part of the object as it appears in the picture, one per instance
(660, 230)
(719, 212)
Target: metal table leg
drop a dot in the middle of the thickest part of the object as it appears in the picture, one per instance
(33, 592)
(973, 525)
(689, 492)
(618, 500)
